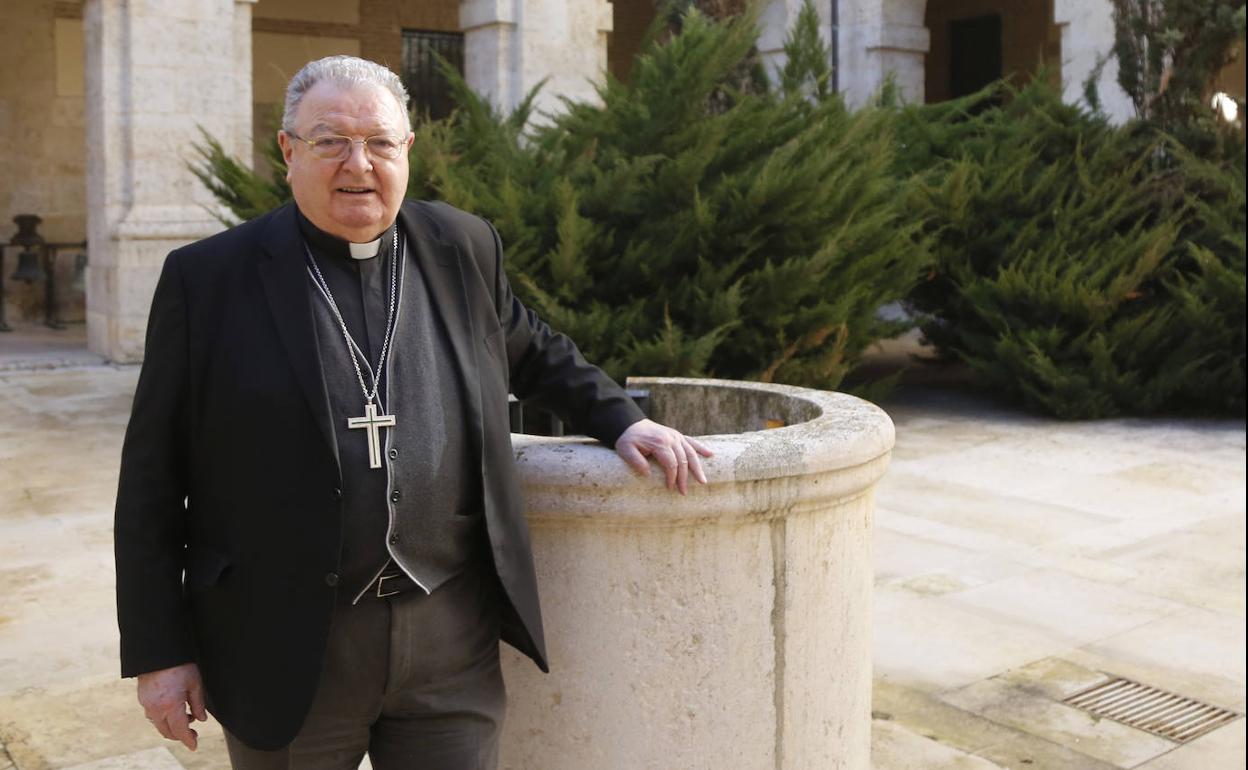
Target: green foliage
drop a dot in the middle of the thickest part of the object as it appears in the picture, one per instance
(1085, 269)
(1209, 285)
(807, 69)
(695, 221)
(243, 192)
(1169, 54)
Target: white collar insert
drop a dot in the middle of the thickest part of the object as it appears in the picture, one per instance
(365, 250)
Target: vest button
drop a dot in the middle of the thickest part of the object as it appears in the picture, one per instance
(331, 579)
(394, 453)
(336, 494)
(394, 539)
(395, 495)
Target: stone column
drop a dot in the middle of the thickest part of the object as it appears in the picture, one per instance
(1087, 28)
(727, 629)
(155, 71)
(880, 38)
(512, 45)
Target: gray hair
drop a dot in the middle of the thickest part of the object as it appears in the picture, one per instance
(346, 72)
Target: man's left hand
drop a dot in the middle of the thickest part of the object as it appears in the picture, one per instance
(676, 453)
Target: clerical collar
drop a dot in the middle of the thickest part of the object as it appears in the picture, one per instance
(324, 243)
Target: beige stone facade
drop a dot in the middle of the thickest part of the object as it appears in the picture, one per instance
(100, 99)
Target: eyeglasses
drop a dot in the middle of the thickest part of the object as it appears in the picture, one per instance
(335, 147)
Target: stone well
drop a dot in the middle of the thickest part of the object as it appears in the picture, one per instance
(727, 629)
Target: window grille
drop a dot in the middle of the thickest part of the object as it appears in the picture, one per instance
(430, 92)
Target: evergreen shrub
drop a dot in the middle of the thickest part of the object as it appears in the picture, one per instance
(694, 222)
(1083, 268)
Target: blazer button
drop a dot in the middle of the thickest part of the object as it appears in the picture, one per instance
(395, 495)
(331, 579)
(394, 539)
(336, 494)
(394, 453)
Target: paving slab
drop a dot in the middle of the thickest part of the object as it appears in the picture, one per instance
(1041, 600)
(926, 715)
(1187, 566)
(1020, 708)
(151, 759)
(901, 557)
(896, 748)
(1053, 678)
(1018, 520)
(1219, 750)
(1197, 653)
(929, 644)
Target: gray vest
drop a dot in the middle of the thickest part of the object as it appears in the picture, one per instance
(422, 508)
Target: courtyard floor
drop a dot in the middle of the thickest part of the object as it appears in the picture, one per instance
(1018, 560)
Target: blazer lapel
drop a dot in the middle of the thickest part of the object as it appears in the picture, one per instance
(285, 280)
(442, 270)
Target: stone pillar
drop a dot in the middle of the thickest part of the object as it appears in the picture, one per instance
(1087, 29)
(512, 45)
(727, 629)
(777, 20)
(155, 71)
(879, 39)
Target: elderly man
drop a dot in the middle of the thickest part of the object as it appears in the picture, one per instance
(319, 536)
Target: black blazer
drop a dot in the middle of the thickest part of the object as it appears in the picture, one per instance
(228, 517)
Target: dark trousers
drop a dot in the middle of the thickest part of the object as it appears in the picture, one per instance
(413, 680)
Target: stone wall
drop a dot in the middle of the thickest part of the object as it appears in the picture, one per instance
(43, 166)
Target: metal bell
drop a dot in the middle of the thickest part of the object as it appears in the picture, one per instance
(28, 268)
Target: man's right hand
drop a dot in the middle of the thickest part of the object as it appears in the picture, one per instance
(165, 695)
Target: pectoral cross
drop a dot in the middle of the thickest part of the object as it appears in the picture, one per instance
(371, 421)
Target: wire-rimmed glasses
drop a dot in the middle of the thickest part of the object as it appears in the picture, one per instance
(337, 147)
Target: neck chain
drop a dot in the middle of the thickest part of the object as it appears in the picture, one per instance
(371, 421)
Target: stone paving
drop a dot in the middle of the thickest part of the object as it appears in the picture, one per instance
(39, 347)
(1017, 559)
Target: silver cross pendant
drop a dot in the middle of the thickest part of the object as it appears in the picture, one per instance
(371, 422)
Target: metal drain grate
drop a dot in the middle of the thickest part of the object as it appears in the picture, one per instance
(1159, 712)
